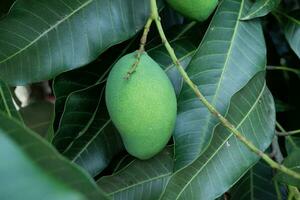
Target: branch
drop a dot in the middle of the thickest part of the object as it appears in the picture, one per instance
(211, 108)
(288, 69)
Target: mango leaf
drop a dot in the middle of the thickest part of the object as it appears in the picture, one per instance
(38, 116)
(30, 161)
(230, 54)
(78, 79)
(227, 159)
(184, 49)
(72, 81)
(5, 5)
(79, 112)
(59, 36)
(94, 148)
(6, 102)
(123, 162)
(140, 179)
(256, 184)
(292, 143)
(291, 26)
(292, 162)
(261, 8)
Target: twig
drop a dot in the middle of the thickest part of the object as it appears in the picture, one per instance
(211, 108)
(288, 133)
(141, 49)
(283, 68)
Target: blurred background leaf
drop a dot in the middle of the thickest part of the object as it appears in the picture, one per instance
(32, 169)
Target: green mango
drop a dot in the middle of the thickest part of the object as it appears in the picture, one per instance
(142, 106)
(198, 10)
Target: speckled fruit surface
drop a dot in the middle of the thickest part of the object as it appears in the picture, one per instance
(143, 107)
(198, 10)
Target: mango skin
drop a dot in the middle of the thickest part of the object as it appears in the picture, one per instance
(142, 107)
(198, 10)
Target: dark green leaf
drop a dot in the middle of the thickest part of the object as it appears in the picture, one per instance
(78, 114)
(292, 162)
(62, 35)
(184, 50)
(73, 81)
(291, 26)
(292, 142)
(38, 116)
(32, 169)
(123, 162)
(256, 184)
(261, 8)
(95, 147)
(231, 53)
(6, 102)
(140, 180)
(5, 5)
(226, 159)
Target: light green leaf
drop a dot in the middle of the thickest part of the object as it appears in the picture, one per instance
(62, 35)
(230, 54)
(256, 184)
(140, 180)
(38, 116)
(227, 159)
(6, 102)
(261, 8)
(291, 26)
(292, 162)
(32, 169)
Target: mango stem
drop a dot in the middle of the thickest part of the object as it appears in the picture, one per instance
(210, 107)
(141, 50)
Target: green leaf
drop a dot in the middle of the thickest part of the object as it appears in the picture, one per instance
(6, 102)
(5, 5)
(96, 147)
(226, 159)
(230, 54)
(291, 27)
(140, 179)
(72, 81)
(261, 8)
(32, 169)
(59, 36)
(184, 49)
(78, 114)
(292, 162)
(256, 184)
(291, 143)
(38, 116)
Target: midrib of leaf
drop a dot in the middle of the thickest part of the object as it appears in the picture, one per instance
(5, 103)
(257, 10)
(47, 31)
(224, 142)
(229, 52)
(140, 183)
(91, 140)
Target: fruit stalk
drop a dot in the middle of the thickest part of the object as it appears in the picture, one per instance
(142, 47)
(155, 16)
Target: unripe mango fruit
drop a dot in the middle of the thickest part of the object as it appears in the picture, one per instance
(142, 106)
(198, 10)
